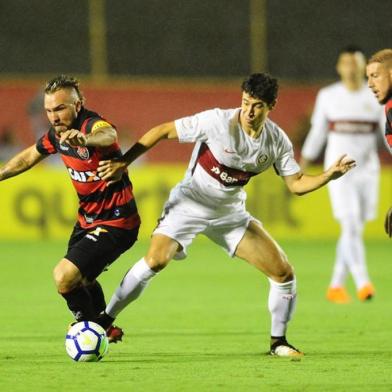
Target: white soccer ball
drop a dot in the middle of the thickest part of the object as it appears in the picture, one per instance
(86, 342)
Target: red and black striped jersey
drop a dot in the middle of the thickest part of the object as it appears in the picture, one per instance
(388, 125)
(99, 204)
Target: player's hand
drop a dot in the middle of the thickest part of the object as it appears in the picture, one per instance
(111, 171)
(74, 138)
(341, 167)
(388, 223)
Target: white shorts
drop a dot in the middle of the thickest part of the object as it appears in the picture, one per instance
(182, 219)
(355, 194)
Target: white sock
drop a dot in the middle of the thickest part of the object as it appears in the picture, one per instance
(281, 304)
(353, 250)
(340, 269)
(132, 285)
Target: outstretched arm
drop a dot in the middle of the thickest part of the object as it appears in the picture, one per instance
(103, 137)
(112, 170)
(21, 162)
(302, 183)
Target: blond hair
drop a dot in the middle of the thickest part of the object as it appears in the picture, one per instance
(382, 56)
(64, 81)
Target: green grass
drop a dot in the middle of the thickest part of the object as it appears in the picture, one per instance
(202, 325)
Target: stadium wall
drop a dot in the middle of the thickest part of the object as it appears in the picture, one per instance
(41, 204)
(136, 107)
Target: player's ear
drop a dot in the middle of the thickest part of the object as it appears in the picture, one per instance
(272, 104)
(78, 105)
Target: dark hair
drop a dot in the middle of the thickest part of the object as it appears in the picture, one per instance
(351, 49)
(261, 86)
(63, 81)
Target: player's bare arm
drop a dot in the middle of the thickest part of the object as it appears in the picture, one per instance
(103, 137)
(388, 223)
(112, 170)
(301, 183)
(21, 162)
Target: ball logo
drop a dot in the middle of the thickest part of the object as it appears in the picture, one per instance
(83, 153)
(262, 159)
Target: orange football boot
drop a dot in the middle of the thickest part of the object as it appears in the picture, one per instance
(366, 292)
(338, 295)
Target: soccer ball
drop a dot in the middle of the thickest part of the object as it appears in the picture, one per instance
(86, 342)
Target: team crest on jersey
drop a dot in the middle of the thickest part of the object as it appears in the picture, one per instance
(262, 158)
(83, 153)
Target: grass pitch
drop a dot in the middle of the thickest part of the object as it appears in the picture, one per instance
(202, 325)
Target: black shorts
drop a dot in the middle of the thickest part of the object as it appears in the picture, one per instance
(92, 250)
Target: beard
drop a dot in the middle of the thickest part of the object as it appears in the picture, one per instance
(60, 128)
(387, 97)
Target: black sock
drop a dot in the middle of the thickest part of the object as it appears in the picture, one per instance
(80, 304)
(104, 320)
(97, 296)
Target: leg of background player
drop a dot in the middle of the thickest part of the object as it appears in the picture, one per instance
(336, 291)
(354, 253)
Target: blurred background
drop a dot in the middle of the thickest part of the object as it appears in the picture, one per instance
(143, 62)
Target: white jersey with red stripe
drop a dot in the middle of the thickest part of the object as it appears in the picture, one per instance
(225, 157)
(349, 122)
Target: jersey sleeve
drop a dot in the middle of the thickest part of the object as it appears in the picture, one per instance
(285, 163)
(317, 135)
(195, 128)
(46, 143)
(388, 125)
(92, 124)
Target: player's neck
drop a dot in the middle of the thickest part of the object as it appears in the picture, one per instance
(353, 85)
(253, 132)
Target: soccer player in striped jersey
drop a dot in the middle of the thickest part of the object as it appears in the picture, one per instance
(379, 73)
(231, 146)
(348, 119)
(108, 220)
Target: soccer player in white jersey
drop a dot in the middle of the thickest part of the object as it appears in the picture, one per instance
(231, 146)
(348, 119)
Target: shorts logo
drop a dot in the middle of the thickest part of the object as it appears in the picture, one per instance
(96, 232)
(262, 158)
(117, 212)
(83, 153)
(87, 176)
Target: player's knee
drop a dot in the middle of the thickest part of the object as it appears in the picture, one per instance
(285, 273)
(158, 261)
(65, 279)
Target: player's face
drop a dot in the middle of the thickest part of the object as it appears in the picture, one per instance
(62, 108)
(380, 81)
(351, 67)
(254, 112)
